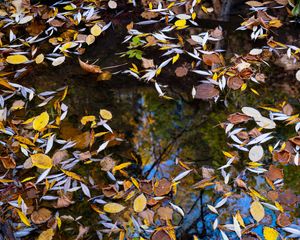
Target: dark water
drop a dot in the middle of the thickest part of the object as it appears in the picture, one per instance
(160, 130)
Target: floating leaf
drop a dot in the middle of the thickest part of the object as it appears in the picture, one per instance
(41, 161)
(113, 208)
(270, 233)
(105, 114)
(46, 235)
(256, 153)
(140, 203)
(257, 211)
(16, 59)
(41, 121)
(89, 67)
(23, 218)
(96, 30)
(180, 23)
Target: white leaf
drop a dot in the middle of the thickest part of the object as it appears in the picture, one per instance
(256, 153)
(85, 190)
(181, 175)
(58, 61)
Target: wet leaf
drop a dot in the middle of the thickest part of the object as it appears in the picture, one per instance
(16, 59)
(41, 161)
(206, 91)
(41, 121)
(113, 208)
(256, 153)
(23, 218)
(105, 114)
(257, 211)
(40, 216)
(89, 67)
(96, 30)
(270, 233)
(180, 23)
(140, 203)
(46, 235)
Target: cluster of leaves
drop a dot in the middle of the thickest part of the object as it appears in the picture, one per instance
(262, 153)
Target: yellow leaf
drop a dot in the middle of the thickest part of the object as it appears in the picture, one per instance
(121, 166)
(180, 23)
(270, 233)
(16, 59)
(105, 114)
(140, 203)
(90, 39)
(46, 235)
(23, 218)
(39, 59)
(84, 120)
(175, 58)
(113, 208)
(257, 211)
(72, 175)
(41, 161)
(96, 30)
(41, 121)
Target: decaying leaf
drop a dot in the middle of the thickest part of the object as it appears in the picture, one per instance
(206, 91)
(89, 67)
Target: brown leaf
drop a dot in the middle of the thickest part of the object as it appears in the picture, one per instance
(147, 216)
(287, 109)
(160, 235)
(107, 164)
(110, 191)
(235, 83)
(82, 140)
(8, 162)
(210, 59)
(283, 220)
(237, 118)
(147, 63)
(162, 187)
(63, 201)
(40, 216)
(165, 213)
(282, 156)
(89, 67)
(295, 140)
(181, 71)
(206, 91)
(59, 156)
(146, 186)
(274, 173)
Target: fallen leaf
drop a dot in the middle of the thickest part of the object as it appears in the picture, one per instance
(206, 91)
(41, 161)
(113, 208)
(16, 59)
(105, 114)
(270, 233)
(89, 67)
(256, 153)
(40, 216)
(140, 203)
(257, 211)
(41, 121)
(46, 235)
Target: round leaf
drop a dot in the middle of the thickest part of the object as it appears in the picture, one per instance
(105, 114)
(256, 153)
